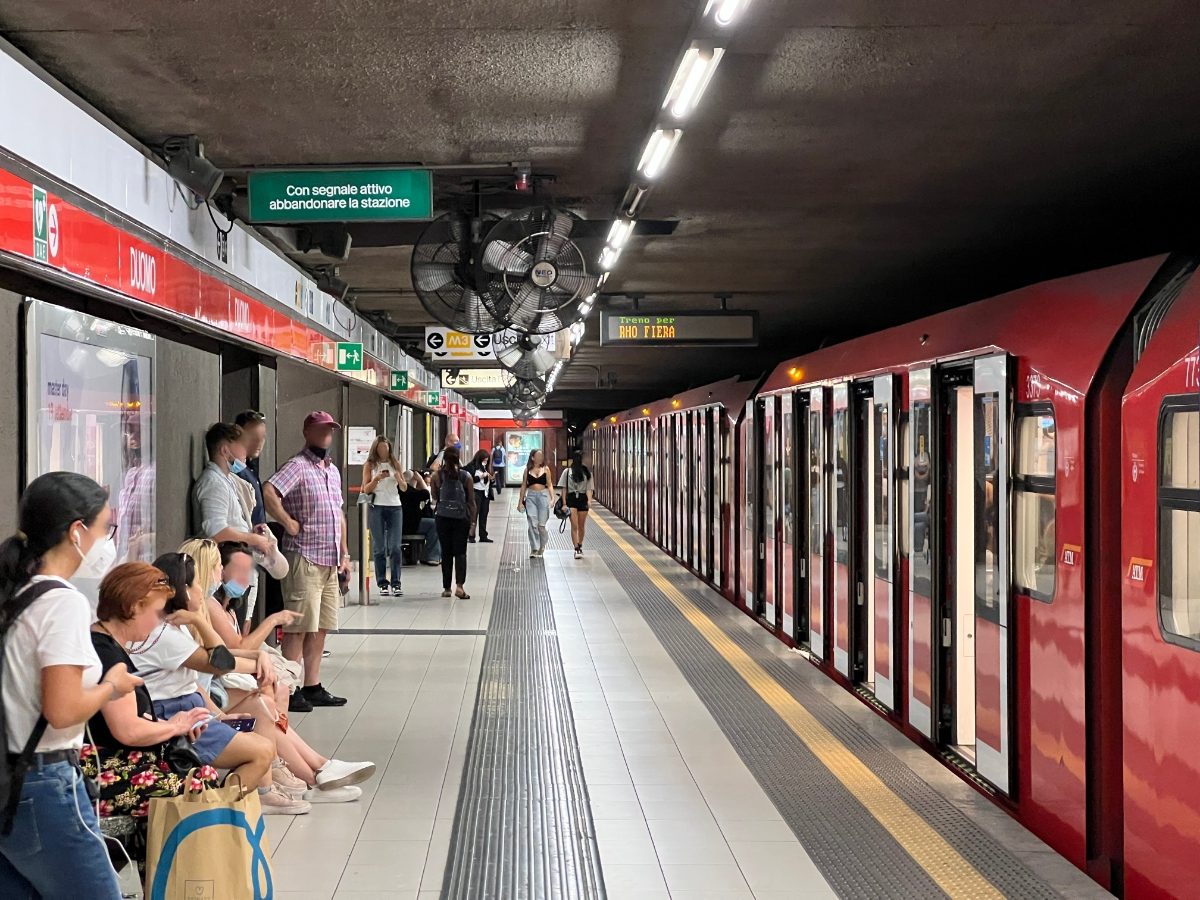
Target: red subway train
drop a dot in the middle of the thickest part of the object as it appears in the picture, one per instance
(985, 523)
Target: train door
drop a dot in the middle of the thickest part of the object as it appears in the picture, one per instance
(992, 583)
(875, 567)
(768, 509)
(788, 515)
(815, 519)
(923, 529)
(841, 519)
(749, 543)
(684, 500)
(703, 491)
(716, 436)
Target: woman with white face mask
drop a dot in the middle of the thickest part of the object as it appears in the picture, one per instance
(50, 845)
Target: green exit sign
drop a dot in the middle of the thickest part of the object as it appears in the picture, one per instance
(340, 195)
(399, 380)
(349, 357)
(433, 398)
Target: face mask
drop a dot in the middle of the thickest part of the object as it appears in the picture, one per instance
(234, 589)
(237, 467)
(98, 560)
(318, 452)
(458, 446)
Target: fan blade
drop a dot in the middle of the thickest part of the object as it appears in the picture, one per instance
(501, 256)
(559, 229)
(526, 305)
(574, 285)
(432, 276)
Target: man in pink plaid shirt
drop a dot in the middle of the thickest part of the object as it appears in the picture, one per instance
(305, 496)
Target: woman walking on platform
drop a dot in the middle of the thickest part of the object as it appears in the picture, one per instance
(537, 496)
(576, 484)
(455, 493)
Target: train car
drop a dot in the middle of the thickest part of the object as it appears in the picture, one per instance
(1159, 555)
(928, 512)
(671, 466)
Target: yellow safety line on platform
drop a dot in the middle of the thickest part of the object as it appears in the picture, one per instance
(920, 840)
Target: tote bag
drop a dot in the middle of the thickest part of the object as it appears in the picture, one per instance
(208, 845)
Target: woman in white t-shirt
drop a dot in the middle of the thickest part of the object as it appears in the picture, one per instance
(50, 844)
(382, 479)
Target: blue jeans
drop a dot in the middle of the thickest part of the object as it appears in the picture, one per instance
(387, 532)
(55, 849)
(537, 512)
(433, 545)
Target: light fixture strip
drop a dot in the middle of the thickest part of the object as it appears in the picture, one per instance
(658, 151)
(695, 71)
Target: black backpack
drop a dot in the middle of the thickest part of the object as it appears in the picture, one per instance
(452, 498)
(12, 771)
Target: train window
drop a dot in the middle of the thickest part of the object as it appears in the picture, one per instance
(841, 485)
(1179, 520)
(988, 589)
(883, 482)
(816, 508)
(902, 470)
(1034, 494)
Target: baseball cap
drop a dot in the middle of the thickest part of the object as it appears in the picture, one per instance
(320, 417)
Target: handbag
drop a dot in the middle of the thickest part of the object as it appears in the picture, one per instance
(560, 509)
(214, 840)
(180, 756)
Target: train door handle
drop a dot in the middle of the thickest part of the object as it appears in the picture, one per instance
(946, 633)
(762, 551)
(859, 590)
(804, 568)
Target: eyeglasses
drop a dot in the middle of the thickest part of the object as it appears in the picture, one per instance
(112, 530)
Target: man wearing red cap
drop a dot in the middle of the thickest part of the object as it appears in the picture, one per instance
(305, 496)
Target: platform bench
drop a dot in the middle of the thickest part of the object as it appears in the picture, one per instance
(412, 545)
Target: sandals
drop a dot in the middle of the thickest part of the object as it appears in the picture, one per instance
(445, 593)
(462, 595)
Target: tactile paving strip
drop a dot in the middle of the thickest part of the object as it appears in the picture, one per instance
(523, 829)
(856, 855)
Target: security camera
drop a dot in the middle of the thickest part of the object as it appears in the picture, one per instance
(186, 164)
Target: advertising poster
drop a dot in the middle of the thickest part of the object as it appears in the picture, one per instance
(517, 447)
(91, 406)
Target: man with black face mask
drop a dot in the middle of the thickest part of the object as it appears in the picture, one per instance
(305, 496)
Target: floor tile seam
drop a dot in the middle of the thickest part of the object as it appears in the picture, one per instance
(636, 656)
(710, 634)
(996, 861)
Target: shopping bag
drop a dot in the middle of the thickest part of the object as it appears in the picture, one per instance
(208, 845)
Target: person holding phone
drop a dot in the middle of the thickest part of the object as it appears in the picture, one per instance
(383, 482)
(130, 751)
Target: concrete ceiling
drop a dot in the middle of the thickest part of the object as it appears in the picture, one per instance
(854, 163)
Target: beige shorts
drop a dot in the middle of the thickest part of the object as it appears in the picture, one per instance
(312, 591)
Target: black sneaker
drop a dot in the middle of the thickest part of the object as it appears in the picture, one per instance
(318, 696)
(486, 541)
(470, 540)
(299, 703)
(385, 590)
(396, 592)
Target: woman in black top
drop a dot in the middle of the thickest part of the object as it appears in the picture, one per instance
(455, 510)
(480, 469)
(125, 753)
(418, 517)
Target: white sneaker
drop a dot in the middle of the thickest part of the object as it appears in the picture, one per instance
(347, 794)
(287, 781)
(276, 802)
(337, 773)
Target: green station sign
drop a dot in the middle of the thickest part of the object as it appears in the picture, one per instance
(349, 357)
(399, 379)
(340, 195)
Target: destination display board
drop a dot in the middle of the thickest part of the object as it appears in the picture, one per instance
(730, 329)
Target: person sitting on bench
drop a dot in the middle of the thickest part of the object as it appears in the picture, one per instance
(418, 517)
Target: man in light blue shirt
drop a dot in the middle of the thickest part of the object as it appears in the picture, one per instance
(216, 505)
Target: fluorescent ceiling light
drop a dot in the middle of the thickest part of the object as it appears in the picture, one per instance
(658, 151)
(725, 11)
(619, 233)
(691, 78)
(608, 259)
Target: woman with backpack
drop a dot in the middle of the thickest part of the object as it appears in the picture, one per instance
(576, 485)
(50, 843)
(454, 489)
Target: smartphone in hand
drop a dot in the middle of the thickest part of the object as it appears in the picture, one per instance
(244, 725)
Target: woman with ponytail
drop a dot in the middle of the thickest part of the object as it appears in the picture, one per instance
(50, 845)
(576, 485)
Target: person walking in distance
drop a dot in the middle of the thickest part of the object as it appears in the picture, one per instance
(305, 495)
(576, 484)
(498, 464)
(535, 500)
(455, 493)
(383, 481)
(480, 470)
